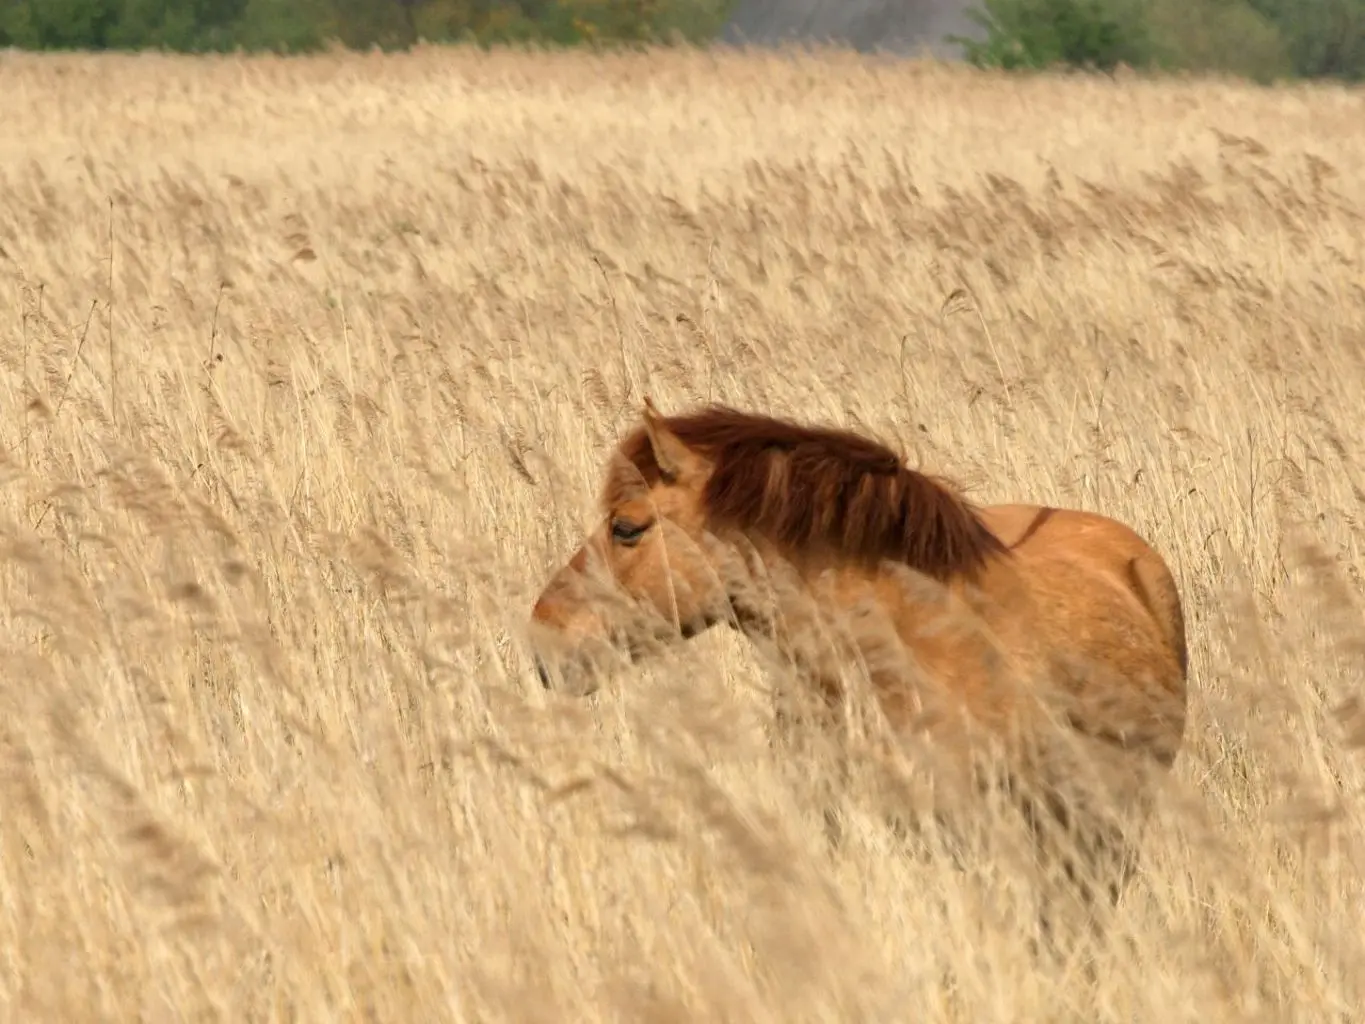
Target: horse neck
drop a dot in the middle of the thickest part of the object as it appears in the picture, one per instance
(815, 608)
(785, 600)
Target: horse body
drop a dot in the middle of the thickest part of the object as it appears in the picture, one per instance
(960, 617)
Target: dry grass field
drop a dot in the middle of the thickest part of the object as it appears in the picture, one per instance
(307, 372)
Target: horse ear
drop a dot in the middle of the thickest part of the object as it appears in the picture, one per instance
(670, 453)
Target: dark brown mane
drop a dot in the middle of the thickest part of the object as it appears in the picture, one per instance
(808, 487)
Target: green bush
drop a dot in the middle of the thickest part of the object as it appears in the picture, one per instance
(58, 24)
(1323, 38)
(1048, 33)
(186, 25)
(284, 26)
(1217, 35)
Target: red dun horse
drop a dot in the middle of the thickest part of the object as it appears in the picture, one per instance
(1004, 617)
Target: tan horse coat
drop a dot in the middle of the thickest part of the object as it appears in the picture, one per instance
(826, 545)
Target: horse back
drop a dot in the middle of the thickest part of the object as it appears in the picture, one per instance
(1079, 550)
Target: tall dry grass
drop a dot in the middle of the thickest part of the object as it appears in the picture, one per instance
(307, 369)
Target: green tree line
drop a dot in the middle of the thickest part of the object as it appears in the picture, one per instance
(1260, 39)
(303, 25)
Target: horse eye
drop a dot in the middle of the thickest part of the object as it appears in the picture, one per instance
(627, 533)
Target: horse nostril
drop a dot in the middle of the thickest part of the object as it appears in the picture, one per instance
(544, 673)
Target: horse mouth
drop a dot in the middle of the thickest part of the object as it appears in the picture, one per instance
(577, 682)
(580, 674)
(543, 671)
